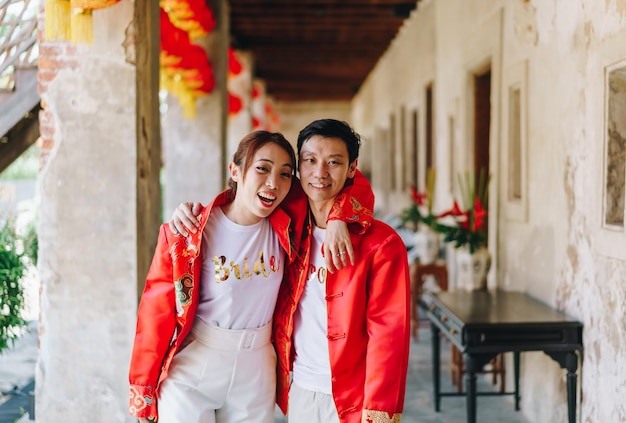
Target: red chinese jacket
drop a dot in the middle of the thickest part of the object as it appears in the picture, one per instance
(368, 326)
(170, 298)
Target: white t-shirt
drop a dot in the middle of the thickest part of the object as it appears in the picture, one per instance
(242, 267)
(311, 367)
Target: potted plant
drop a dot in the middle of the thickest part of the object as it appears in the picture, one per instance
(419, 215)
(467, 233)
(13, 254)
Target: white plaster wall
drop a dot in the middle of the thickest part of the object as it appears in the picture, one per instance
(410, 57)
(553, 247)
(294, 116)
(559, 253)
(87, 234)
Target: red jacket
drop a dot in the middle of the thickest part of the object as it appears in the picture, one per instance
(368, 326)
(170, 298)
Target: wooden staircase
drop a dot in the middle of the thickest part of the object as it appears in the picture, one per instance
(19, 99)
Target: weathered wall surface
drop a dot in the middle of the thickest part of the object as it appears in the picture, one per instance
(87, 227)
(551, 244)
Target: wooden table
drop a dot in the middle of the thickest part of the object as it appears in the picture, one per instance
(419, 272)
(482, 324)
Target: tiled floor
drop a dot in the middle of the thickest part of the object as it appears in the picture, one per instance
(17, 367)
(418, 405)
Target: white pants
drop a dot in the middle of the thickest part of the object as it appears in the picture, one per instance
(311, 407)
(221, 376)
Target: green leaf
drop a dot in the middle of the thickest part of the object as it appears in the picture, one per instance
(12, 269)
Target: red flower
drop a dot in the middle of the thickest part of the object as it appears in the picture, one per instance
(471, 219)
(419, 199)
(454, 211)
(479, 215)
(234, 104)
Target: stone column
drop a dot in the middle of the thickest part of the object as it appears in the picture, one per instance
(88, 231)
(259, 98)
(195, 148)
(240, 123)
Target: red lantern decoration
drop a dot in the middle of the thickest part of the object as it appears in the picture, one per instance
(234, 65)
(234, 104)
(256, 123)
(186, 71)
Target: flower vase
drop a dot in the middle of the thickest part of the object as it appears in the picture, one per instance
(472, 268)
(426, 244)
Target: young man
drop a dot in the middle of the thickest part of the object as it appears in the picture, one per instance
(342, 338)
(345, 335)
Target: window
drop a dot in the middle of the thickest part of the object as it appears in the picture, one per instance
(514, 142)
(430, 143)
(415, 144)
(610, 238)
(615, 149)
(402, 148)
(515, 145)
(391, 145)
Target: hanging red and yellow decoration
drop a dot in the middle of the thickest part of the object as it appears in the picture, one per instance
(185, 68)
(192, 16)
(72, 19)
(58, 14)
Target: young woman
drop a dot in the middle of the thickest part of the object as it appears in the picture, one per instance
(202, 349)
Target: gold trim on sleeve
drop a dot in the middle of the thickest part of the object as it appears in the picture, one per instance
(375, 416)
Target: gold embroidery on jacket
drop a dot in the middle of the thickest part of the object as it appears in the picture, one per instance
(183, 287)
(374, 416)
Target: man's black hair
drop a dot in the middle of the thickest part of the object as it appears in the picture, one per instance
(332, 128)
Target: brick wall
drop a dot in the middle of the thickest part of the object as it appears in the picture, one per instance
(54, 56)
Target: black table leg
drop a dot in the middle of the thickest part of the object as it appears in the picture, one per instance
(568, 360)
(434, 332)
(571, 362)
(516, 355)
(470, 387)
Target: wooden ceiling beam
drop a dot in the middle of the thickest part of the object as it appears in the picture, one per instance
(308, 15)
(308, 73)
(316, 58)
(338, 83)
(307, 9)
(316, 92)
(342, 50)
(299, 30)
(300, 97)
(312, 3)
(315, 49)
(293, 24)
(314, 41)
